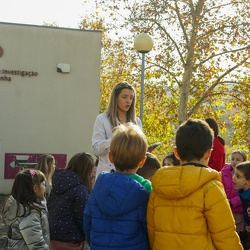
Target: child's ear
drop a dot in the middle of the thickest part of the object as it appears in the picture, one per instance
(141, 163)
(176, 153)
(208, 154)
(110, 158)
(35, 188)
(248, 183)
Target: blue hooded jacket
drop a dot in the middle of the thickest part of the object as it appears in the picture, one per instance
(115, 214)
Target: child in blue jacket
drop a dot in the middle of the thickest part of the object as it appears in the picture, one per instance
(115, 213)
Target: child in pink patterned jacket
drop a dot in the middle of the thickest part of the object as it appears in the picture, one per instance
(232, 194)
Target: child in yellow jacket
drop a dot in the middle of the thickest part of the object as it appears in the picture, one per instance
(188, 208)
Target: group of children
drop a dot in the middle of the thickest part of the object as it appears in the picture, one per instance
(184, 206)
(26, 210)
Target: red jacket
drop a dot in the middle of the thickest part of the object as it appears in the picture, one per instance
(217, 158)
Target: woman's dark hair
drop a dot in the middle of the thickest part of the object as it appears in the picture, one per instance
(23, 190)
(82, 164)
(214, 126)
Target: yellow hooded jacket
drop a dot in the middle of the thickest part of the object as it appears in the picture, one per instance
(188, 209)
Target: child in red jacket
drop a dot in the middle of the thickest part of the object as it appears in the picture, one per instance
(218, 154)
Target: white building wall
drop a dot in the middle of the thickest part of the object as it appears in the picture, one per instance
(51, 112)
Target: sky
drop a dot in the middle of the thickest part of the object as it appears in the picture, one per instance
(64, 13)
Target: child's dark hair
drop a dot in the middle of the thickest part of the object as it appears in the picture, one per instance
(244, 167)
(150, 166)
(193, 138)
(23, 190)
(171, 156)
(82, 164)
(214, 126)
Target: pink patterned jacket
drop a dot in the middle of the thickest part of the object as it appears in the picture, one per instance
(232, 193)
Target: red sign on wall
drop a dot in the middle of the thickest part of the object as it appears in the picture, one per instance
(15, 161)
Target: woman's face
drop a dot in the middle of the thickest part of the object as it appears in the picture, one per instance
(124, 100)
(236, 159)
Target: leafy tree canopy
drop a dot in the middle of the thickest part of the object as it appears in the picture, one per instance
(199, 66)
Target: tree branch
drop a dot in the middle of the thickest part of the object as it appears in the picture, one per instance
(191, 5)
(217, 82)
(173, 41)
(180, 21)
(220, 28)
(217, 7)
(169, 72)
(238, 99)
(225, 52)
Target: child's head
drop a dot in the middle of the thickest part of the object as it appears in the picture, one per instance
(194, 139)
(128, 147)
(241, 177)
(150, 166)
(82, 164)
(170, 160)
(237, 157)
(213, 125)
(28, 186)
(46, 164)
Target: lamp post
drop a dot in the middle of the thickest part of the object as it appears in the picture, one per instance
(143, 44)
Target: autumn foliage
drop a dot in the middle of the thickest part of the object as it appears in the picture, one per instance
(199, 66)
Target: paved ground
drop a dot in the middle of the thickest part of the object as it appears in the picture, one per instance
(3, 228)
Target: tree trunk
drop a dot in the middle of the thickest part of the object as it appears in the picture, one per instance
(188, 67)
